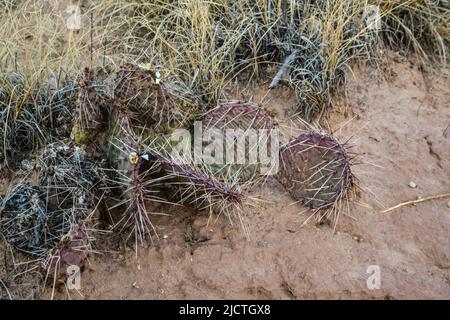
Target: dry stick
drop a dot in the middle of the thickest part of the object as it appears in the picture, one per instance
(92, 35)
(438, 196)
(6, 288)
(283, 70)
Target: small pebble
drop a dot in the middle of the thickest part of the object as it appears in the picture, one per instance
(412, 184)
(448, 204)
(135, 285)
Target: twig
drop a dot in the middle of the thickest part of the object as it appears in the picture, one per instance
(287, 62)
(438, 196)
(444, 133)
(91, 38)
(6, 288)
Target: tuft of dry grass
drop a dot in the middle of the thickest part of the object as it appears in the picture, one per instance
(421, 27)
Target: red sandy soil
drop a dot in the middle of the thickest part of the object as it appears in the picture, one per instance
(400, 126)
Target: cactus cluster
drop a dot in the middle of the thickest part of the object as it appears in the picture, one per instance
(119, 153)
(142, 107)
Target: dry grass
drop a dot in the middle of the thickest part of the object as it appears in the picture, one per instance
(207, 44)
(204, 45)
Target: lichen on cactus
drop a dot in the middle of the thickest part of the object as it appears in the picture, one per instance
(315, 169)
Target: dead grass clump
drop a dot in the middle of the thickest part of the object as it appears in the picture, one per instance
(58, 191)
(421, 27)
(206, 44)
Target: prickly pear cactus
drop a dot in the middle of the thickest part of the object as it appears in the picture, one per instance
(194, 184)
(134, 84)
(241, 118)
(315, 169)
(153, 102)
(131, 174)
(90, 109)
(72, 250)
(238, 115)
